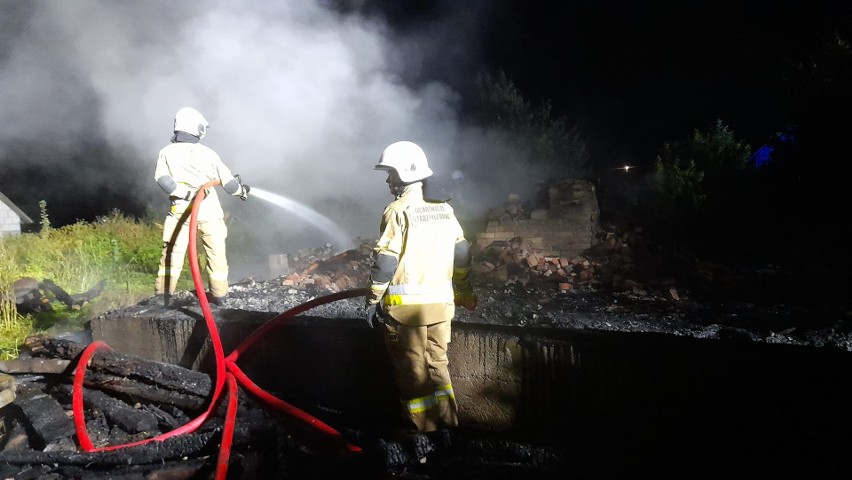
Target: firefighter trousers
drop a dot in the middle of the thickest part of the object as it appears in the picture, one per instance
(175, 244)
(418, 355)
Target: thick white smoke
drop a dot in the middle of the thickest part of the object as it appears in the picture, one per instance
(300, 100)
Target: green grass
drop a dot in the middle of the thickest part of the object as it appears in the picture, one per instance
(14, 329)
(121, 251)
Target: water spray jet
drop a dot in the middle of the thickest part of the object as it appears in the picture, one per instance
(339, 237)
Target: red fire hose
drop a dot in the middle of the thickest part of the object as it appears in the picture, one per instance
(226, 369)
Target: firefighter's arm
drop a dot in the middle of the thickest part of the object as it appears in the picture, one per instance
(381, 274)
(168, 184)
(385, 255)
(231, 184)
(236, 187)
(385, 262)
(461, 275)
(174, 189)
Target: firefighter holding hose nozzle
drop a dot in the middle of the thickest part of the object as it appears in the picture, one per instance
(183, 167)
(420, 272)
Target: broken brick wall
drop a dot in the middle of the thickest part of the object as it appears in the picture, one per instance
(566, 227)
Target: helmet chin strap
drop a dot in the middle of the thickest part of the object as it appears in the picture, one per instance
(395, 184)
(397, 189)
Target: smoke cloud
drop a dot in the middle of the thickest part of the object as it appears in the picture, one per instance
(301, 100)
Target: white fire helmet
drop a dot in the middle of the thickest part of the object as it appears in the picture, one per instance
(408, 159)
(189, 120)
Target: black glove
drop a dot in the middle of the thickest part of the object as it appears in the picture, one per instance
(373, 316)
(244, 189)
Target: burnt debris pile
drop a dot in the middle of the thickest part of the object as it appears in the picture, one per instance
(126, 401)
(130, 400)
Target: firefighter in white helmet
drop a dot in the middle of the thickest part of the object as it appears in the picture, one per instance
(420, 270)
(183, 166)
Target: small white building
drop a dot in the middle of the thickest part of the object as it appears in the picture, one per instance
(11, 217)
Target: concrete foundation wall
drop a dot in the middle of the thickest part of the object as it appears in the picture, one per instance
(338, 364)
(535, 381)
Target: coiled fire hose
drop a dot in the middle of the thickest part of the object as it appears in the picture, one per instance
(227, 370)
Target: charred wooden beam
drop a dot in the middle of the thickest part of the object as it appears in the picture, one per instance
(35, 365)
(46, 416)
(141, 390)
(164, 374)
(188, 445)
(165, 420)
(130, 372)
(57, 292)
(182, 469)
(128, 418)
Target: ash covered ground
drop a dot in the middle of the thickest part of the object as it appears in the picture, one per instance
(611, 287)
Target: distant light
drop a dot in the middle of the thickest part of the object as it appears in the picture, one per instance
(763, 155)
(626, 168)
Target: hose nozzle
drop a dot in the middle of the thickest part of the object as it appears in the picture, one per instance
(244, 189)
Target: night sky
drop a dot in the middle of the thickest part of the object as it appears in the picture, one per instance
(636, 74)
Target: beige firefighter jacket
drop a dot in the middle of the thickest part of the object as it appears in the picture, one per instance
(415, 255)
(192, 165)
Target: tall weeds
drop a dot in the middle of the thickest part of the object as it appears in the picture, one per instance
(14, 328)
(121, 251)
